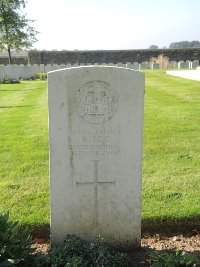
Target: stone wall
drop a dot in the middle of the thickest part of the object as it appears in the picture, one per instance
(111, 56)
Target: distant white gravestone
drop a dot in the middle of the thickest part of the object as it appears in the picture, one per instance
(96, 129)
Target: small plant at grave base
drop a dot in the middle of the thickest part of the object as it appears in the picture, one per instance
(181, 259)
(15, 243)
(76, 252)
(40, 76)
(40, 260)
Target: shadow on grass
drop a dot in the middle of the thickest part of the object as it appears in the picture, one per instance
(170, 226)
(18, 90)
(9, 90)
(167, 227)
(22, 106)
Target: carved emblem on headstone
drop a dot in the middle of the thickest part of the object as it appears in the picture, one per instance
(96, 101)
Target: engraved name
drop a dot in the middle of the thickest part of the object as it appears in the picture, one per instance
(95, 144)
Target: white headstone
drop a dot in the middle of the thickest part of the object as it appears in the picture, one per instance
(195, 64)
(154, 66)
(69, 65)
(133, 66)
(183, 65)
(12, 72)
(144, 66)
(120, 64)
(170, 65)
(51, 67)
(95, 126)
(61, 66)
(55, 67)
(42, 67)
(111, 64)
(28, 71)
(2, 73)
(47, 68)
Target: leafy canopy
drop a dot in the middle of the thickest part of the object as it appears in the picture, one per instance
(15, 29)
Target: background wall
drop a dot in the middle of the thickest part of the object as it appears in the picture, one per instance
(111, 56)
(99, 56)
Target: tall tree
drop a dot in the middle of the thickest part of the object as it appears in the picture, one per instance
(15, 29)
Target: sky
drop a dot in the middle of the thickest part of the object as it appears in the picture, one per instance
(113, 24)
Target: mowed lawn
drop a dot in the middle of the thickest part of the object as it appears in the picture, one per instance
(171, 158)
(24, 182)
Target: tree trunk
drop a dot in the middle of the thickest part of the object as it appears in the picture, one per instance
(9, 55)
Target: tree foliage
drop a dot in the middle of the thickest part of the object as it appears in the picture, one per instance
(153, 46)
(15, 29)
(185, 44)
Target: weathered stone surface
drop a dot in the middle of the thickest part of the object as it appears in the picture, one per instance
(95, 125)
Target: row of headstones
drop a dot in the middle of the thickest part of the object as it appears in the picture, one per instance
(26, 72)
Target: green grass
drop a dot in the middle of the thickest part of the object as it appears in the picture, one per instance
(24, 183)
(171, 160)
(171, 166)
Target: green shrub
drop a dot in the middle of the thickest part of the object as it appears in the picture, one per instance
(181, 259)
(40, 76)
(76, 252)
(15, 243)
(40, 260)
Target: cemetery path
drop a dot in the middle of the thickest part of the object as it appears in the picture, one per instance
(159, 243)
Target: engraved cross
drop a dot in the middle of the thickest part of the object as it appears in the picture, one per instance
(95, 183)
